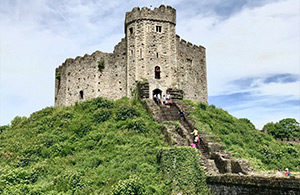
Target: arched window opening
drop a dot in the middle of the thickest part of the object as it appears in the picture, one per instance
(81, 94)
(157, 72)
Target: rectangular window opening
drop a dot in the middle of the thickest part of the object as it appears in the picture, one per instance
(131, 31)
(158, 28)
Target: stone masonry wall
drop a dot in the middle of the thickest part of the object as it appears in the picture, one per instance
(150, 41)
(148, 47)
(237, 184)
(81, 75)
(191, 73)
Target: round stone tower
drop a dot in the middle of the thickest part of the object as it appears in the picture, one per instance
(151, 48)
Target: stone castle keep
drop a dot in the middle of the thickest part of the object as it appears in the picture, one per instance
(150, 52)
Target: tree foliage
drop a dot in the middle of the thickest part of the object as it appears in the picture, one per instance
(285, 128)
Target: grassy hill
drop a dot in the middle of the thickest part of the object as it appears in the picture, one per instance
(241, 138)
(95, 147)
(115, 147)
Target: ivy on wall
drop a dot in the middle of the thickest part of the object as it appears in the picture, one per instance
(181, 168)
(58, 76)
(101, 65)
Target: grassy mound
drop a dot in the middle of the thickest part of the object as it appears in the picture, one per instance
(241, 138)
(95, 147)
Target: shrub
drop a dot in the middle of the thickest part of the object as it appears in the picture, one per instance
(58, 76)
(133, 185)
(102, 116)
(202, 106)
(101, 65)
(3, 128)
(137, 125)
(125, 113)
(18, 121)
(285, 128)
(70, 180)
(94, 104)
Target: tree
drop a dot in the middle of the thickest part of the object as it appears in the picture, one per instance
(285, 128)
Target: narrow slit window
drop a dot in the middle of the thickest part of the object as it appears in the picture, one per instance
(158, 28)
(81, 94)
(157, 72)
(141, 53)
(156, 55)
(131, 31)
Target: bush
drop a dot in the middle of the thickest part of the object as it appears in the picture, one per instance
(94, 104)
(18, 121)
(3, 128)
(126, 113)
(101, 65)
(58, 76)
(133, 185)
(137, 125)
(285, 128)
(102, 116)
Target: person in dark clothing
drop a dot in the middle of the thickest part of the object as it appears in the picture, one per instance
(155, 99)
(181, 114)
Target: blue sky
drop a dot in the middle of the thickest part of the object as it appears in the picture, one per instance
(252, 50)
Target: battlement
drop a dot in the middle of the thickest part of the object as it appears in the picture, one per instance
(163, 13)
(78, 59)
(189, 44)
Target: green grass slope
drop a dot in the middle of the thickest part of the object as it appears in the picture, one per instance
(95, 147)
(241, 138)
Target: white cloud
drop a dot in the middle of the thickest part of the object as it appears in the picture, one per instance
(252, 42)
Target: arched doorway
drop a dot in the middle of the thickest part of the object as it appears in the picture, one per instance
(155, 92)
(156, 95)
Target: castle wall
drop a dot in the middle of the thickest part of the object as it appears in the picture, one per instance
(252, 184)
(148, 47)
(81, 79)
(150, 41)
(191, 63)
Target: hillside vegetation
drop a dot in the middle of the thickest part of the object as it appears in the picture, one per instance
(285, 128)
(241, 138)
(95, 147)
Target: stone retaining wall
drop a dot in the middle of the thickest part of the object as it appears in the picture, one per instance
(241, 184)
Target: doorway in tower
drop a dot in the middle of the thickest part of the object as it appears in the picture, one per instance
(156, 94)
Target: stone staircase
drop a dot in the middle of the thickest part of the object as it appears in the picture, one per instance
(213, 158)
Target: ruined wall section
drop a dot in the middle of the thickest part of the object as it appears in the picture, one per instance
(60, 86)
(117, 81)
(151, 42)
(81, 79)
(191, 64)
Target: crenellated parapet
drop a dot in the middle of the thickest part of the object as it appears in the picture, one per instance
(79, 59)
(162, 13)
(189, 45)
